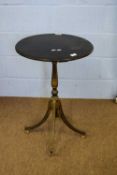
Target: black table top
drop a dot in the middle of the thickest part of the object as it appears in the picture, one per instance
(52, 47)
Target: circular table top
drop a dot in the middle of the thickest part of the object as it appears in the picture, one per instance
(52, 47)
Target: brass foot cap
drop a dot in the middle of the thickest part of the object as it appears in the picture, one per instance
(27, 131)
(83, 135)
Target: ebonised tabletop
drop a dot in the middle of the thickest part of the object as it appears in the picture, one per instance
(54, 48)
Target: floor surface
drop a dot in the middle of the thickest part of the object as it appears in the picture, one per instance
(28, 154)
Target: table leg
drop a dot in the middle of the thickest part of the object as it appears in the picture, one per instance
(30, 128)
(66, 122)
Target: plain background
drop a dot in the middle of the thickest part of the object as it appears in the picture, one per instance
(91, 77)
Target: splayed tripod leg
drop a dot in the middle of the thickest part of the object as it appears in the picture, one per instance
(66, 122)
(31, 128)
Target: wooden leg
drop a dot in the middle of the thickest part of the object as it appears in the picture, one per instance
(31, 128)
(67, 123)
